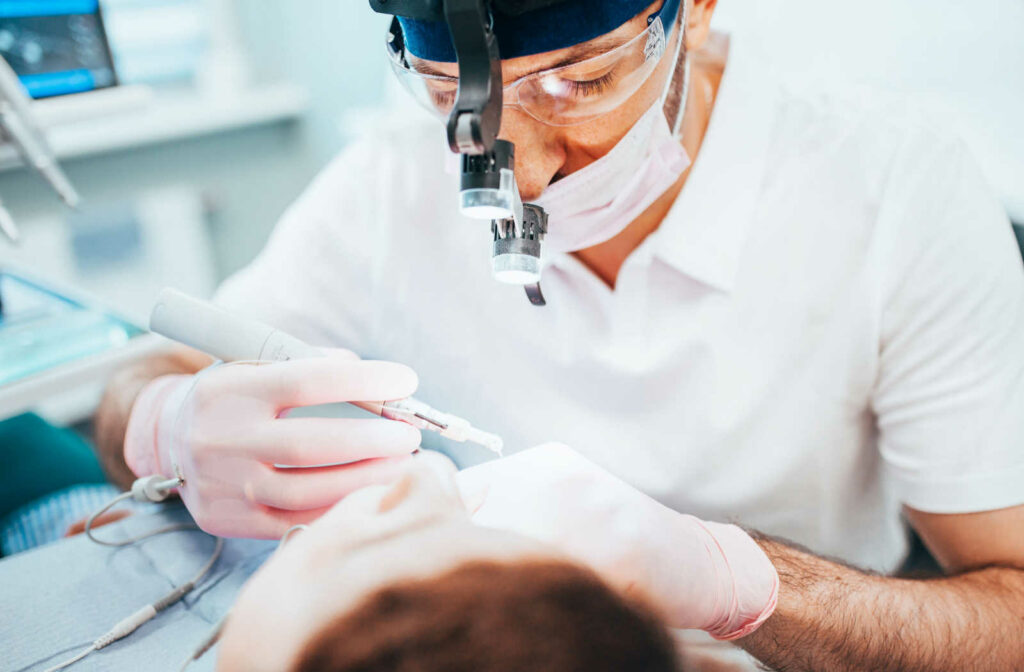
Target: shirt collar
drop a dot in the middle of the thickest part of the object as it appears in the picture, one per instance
(703, 234)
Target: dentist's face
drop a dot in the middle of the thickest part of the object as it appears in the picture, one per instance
(547, 153)
(415, 529)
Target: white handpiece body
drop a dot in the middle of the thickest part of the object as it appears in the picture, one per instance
(229, 337)
(226, 336)
(233, 338)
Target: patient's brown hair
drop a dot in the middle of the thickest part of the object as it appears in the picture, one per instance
(493, 617)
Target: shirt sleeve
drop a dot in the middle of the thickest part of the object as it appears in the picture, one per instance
(949, 397)
(313, 277)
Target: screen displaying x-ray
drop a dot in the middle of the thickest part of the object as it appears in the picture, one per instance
(56, 46)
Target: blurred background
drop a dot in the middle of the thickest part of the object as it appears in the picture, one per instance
(226, 109)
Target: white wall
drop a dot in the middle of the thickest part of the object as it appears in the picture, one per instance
(965, 60)
(334, 48)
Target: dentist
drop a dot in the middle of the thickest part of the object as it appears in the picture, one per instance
(783, 329)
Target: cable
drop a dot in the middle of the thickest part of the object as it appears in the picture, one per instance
(207, 643)
(152, 489)
(149, 489)
(157, 489)
(214, 634)
(72, 661)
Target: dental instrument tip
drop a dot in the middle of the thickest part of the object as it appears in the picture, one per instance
(491, 442)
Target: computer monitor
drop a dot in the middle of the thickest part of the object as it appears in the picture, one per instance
(56, 47)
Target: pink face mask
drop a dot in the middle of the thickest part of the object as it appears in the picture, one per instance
(598, 202)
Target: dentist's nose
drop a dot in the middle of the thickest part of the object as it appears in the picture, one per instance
(539, 154)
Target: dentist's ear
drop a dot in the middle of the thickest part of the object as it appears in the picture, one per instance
(698, 23)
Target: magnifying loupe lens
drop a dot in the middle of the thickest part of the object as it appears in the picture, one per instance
(486, 203)
(516, 269)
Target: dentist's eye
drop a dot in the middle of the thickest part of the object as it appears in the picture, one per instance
(443, 100)
(591, 87)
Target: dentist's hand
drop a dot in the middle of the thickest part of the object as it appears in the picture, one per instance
(701, 575)
(224, 433)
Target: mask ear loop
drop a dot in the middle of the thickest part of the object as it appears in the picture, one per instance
(680, 54)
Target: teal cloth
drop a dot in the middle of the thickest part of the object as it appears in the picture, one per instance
(39, 459)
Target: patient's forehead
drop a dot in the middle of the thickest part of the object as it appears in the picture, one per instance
(421, 553)
(298, 593)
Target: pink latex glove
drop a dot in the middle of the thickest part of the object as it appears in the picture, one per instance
(701, 575)
(223, 432)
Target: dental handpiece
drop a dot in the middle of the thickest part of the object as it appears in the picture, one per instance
(19, 127)
(233, 338)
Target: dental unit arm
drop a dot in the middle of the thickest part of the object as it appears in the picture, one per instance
(18, 126)
(233, 338)
(488, 187)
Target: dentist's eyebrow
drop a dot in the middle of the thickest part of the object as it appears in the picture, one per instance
(595, 47)
(580, 52)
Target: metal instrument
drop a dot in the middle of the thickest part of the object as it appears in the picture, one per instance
(17, 125)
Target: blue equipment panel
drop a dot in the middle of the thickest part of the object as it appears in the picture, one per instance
(40, 330)
(56, 46)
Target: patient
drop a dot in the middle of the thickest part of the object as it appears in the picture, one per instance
(397, 578)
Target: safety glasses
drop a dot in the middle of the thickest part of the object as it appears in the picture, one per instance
(563, 96)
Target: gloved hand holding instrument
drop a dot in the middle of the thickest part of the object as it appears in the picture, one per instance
(247, 469)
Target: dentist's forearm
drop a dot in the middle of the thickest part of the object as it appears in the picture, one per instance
(111, 418)
(832, 618)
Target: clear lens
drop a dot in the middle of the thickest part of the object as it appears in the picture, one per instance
(485, 203)
(435, 94)
(589, 89)
(564, 96)
(516, 269)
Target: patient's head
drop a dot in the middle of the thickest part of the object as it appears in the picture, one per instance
(398, 578)
(482, 616)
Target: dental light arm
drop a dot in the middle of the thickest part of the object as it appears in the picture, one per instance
(18, 126)
(488, 187)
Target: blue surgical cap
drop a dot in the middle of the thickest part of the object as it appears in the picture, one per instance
(548, 28)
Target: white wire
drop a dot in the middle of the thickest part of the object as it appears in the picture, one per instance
(71, 661)
(130, 624)
(147, 613)
(207, 643)
(177, 527)
(214, 634)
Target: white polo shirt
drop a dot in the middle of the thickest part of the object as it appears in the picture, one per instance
(828, 324)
